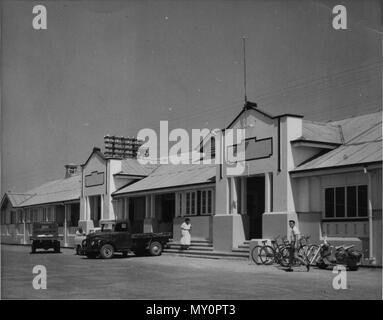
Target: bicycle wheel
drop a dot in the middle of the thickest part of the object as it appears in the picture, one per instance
(267, 255)
(284, 257)
(312, 252)
(303, 250)
(255, 254)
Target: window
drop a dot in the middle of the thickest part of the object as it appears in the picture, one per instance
(209, 201)
(27, 217)
(362, 201)
(212, 147)
(179, 201)
(351, 201)
(35, 215)
(187, 203)
(74, 214)
(13, 217)
(199, 202)
(191, 202)
(339, 202)
(44, 214)
(193, 208)
(7, 217)
(50, 214)
(122, 208)
(329, 203)
(19, 216)
(203, 208)
(206, 202)
(346, 202)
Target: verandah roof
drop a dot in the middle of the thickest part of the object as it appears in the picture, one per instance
(170, 175)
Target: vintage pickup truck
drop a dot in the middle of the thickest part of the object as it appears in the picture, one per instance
(45, 235)
(119, 239)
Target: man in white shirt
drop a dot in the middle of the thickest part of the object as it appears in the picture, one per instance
(294, 243)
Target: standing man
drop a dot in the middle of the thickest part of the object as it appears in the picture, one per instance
(294, 247)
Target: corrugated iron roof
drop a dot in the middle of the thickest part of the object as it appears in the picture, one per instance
(359, 127)
(55, 191)
(133, 167)
(321, 132)
(170, 175)
(362, 144)
(17, 199)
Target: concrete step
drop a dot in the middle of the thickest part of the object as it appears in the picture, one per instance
(192, 247)
(243, 250)
(202, 256)
(194, 243)
(243, 246)
(211, 254)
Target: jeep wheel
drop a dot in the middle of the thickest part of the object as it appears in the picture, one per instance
(106, 251)
(155, 248)
(33, 249)
(57, 248)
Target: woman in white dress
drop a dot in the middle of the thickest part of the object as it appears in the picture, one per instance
(185, 233)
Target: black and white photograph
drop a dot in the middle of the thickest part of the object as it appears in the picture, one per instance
(204, 152)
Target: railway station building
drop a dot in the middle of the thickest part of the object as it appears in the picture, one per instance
(327, 176)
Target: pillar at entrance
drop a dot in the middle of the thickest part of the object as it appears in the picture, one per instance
(277, 224)
(229, 231)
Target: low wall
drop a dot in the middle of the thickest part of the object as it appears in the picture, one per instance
(201, 227)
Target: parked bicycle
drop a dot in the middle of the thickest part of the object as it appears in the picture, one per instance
(279, 252)
(255, 252)
(306, 249)
(275, 253)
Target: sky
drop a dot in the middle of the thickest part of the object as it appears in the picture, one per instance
(115, 67)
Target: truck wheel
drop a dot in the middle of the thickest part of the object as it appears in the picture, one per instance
(107, 251)
(155, 248)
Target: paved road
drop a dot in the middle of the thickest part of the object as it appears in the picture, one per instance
(171, 277)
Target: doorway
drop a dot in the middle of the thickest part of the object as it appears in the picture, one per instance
(255, 205)
(95, 210)
(167, 209)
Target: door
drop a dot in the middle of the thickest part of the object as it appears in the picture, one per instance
(122, 236)
(168, 203)
(255, 205)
